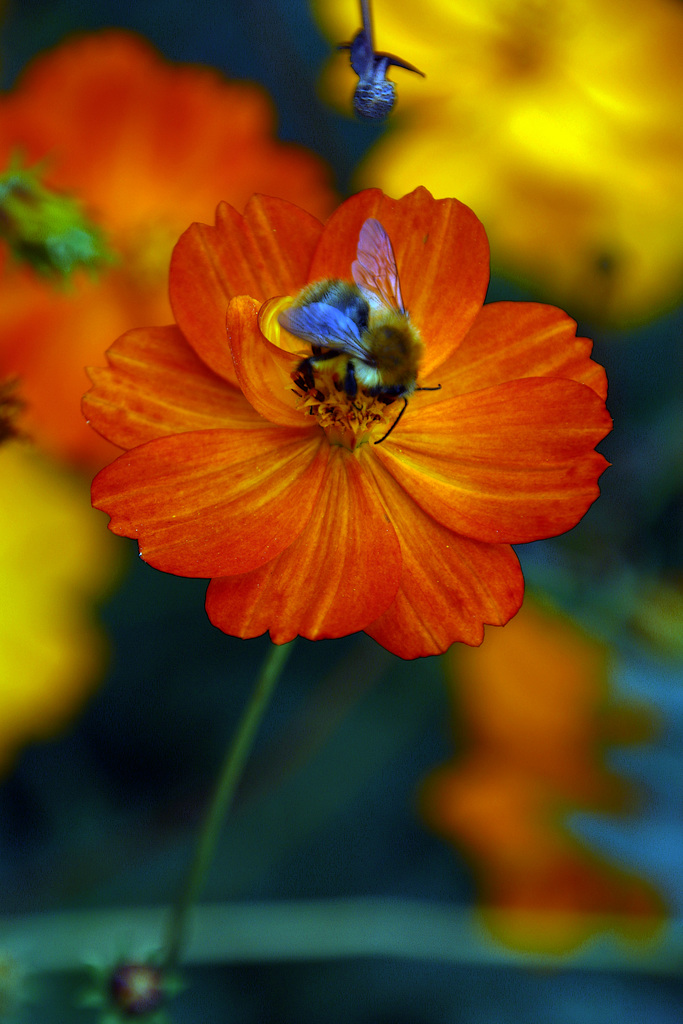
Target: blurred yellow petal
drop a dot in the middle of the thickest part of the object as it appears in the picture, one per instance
(54, 559)
(558, 122)
(534, 712)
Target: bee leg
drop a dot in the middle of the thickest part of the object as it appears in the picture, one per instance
(405, 406)
(350, 382)
(307, 365)
(305, 368)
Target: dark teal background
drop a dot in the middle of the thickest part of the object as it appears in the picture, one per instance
(106, 815)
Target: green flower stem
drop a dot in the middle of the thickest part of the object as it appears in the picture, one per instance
(296, 931)
(228, 779)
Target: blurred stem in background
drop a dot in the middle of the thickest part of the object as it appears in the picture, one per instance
(228, 780)
(332, 929)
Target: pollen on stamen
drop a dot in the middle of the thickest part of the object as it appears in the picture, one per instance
(347, 421)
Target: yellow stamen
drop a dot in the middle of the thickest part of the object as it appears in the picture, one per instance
(347, 421)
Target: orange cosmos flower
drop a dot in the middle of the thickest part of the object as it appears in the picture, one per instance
(147, 146)
(535, 711)
(240, 470)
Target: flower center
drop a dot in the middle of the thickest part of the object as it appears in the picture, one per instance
(347, 421)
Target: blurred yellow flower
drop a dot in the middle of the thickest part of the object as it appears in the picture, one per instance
(534, 712)
(558, 122)
(54, 559)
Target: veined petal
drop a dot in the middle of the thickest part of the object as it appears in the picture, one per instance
(263, 253)
(511, 340)
(263, 370)
(334, 579)
(441, 253)
(450, 585)
(510, 464)
(156, 385)
(214, 502)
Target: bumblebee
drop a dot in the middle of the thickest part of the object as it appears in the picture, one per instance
(366, 321)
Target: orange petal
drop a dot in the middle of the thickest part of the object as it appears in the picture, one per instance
(115, 116)
(511, 340)
(62, 331)
(336, 577)
(214, 502)
(536, 708)
(156, 385)
(450, 585)
(264, 253)
(441, 253)
(263, 370)
(105, 117)
(510, 464)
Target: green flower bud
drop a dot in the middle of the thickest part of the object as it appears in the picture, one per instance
(47, 229)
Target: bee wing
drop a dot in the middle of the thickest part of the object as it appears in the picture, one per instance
(322, 324)
(375, 269)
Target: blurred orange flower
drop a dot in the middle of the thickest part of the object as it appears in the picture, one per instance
(558, 121)
(239, 472)
(535, 713)
(55, 561)
(148, 146)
